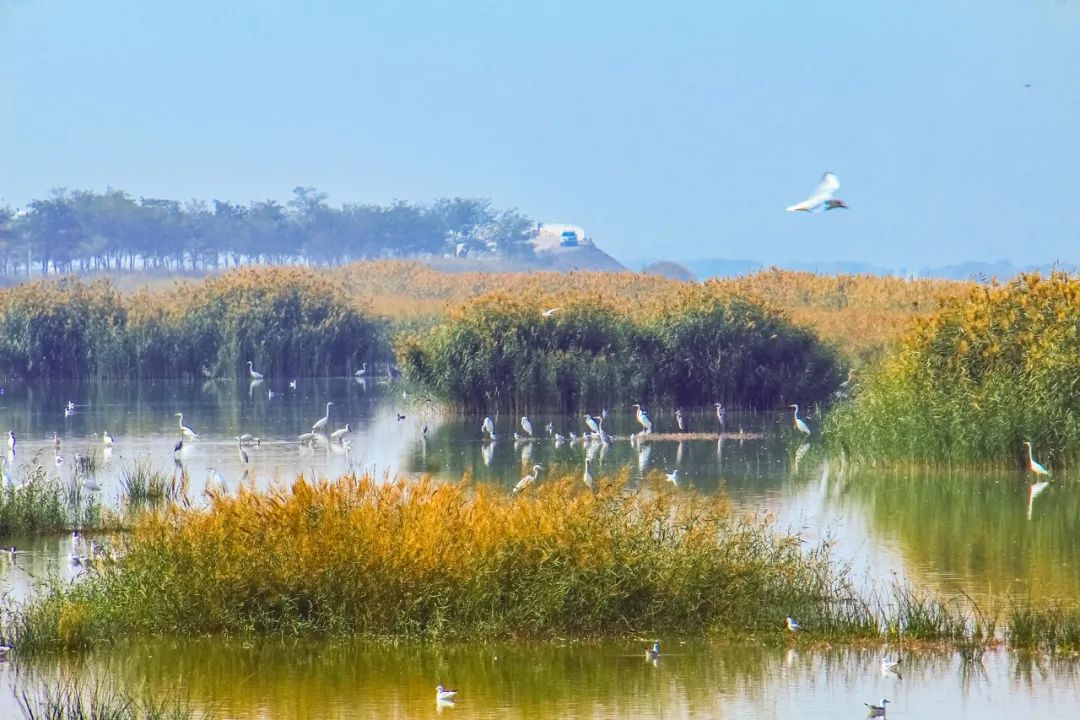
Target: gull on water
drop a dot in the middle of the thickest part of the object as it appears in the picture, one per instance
(792, 625)
(442, 693)
(890, 667)
(877, 710)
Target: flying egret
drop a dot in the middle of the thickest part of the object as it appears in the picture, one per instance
(321, 422)
(526, 425)
(362, 371)
(488, 427)
(822, 199)
(890, 667)
(550, 311)
(107, 439)
(184, 429)
(877, 710)
(340, 433)
(800, 424)
(1033, 465)
(527, 480)
(792, 625)
(441, 693)
(251, 371)
(653, 652)
(591, 422)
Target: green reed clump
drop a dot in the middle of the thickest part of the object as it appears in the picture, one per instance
(33, 504)
(424, 560)
(74, 700)
(975, 380)
(145, 485)
(698, 345)
(1050, 628)
(289, 321)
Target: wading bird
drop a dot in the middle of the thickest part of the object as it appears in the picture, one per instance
(588, 476)
(721, 413)
(822, 199)
(591, 422)
(11, 440)
(340, 433)
(526, 425)
(643, 418)
(184, 429)
(653, 652)
(362, 371)
(1033, 465)
(488, 427)
(251, 371)
(876, 710)
(800, 424)
(321, 422)
(441, 693)
(292, 384)
(527, 480)
(107, 439)
(680, 420)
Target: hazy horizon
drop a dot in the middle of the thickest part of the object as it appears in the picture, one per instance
(952, 126)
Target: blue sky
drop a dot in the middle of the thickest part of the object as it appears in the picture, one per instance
(677, 131)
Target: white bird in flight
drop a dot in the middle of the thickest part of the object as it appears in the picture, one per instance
(550, 311)
(822, 199)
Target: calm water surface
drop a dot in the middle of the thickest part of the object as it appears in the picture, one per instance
(981, 534)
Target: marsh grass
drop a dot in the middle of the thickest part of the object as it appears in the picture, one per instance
(970, 383)
(75, 700)
(35, 501)
(144, 485)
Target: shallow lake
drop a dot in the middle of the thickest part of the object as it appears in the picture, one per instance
(980, 534)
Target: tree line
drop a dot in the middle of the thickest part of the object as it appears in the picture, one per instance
(85, 231)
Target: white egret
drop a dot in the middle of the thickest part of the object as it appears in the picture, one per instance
(321, 422)
(549, 428)
(488, 427)
(559, 438)
(184, 429)
(591, 422)
(643, 419)
(680, 420)
(107, 439)
(673, 477)
(306, 438)
(441, 693)
(550, 311)
(527, 480)
(338, 434)
(362, 371)
(800, 424)
(11, 440)
(526, 425)
(292, 384)
(822, 199)
(721, 413)
(792, 625)
(877, 710)
(1033, 465)
(653, 652)
(890, 667)
(70, 405)
(214, 483)
(251, 371)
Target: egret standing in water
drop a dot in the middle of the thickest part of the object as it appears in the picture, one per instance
(526, 425)
(340, 433)
(362, 371)
(680, 420)
(800, 424)
(654, 652)
(251, 371)
(591, 422)
(321, 422)
(488, 427)
(1033, 465)
(642, 418)
(184, 429)
(721, 413)
(107, 439)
